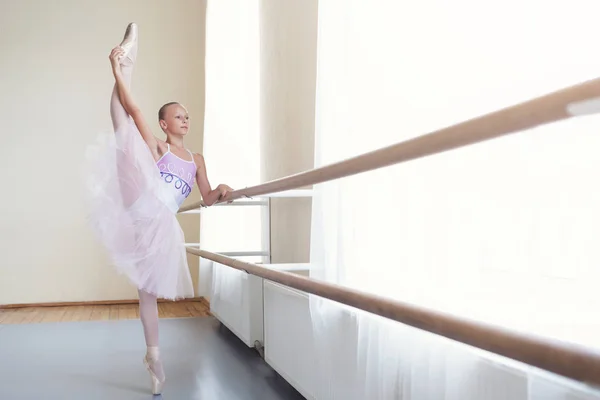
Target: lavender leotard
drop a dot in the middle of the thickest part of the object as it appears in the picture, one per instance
(178, 174)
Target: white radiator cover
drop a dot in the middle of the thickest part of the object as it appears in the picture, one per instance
(279, 317)
(289, 346)
(236, 298)
(236, 301)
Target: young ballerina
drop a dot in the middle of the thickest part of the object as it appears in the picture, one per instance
(137, 183)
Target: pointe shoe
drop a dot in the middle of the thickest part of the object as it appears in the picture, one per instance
(129, 43)
(157, 384)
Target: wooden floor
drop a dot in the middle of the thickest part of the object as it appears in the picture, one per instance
(28, 315)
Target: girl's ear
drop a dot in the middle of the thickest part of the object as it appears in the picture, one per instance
(162, 124)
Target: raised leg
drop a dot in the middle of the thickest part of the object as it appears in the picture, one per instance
(129, 177)
(130, 45)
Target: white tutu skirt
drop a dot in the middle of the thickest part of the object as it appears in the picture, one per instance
(133, 214)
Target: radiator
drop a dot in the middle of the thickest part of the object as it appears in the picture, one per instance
(279, 317)
(237, 299)
(289, 347)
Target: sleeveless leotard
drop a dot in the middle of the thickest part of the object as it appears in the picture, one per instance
(178, 174)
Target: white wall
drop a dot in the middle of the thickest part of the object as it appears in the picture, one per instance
(288, 79)
(55, 85)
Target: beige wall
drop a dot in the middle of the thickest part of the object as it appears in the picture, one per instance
(55, 85)
(288, 79)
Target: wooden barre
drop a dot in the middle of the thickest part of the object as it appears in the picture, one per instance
(553, 107)
(569, 360)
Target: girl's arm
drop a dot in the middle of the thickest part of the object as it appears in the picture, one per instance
(129, 104)
(209, 196)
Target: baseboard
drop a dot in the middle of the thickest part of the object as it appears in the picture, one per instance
(204, 301)
(97, 303)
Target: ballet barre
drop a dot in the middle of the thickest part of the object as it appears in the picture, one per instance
(257, 253)
(569, 360)
(194, 208)
(263, 201)
(573, 101)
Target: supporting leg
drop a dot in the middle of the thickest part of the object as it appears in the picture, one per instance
(149, 318)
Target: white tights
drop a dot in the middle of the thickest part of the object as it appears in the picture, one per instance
(149, 318)
(129, 177)
(117, 113)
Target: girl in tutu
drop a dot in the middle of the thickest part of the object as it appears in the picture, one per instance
(137, 183)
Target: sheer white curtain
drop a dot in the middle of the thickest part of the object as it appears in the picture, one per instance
(506, 231)
(231, 134)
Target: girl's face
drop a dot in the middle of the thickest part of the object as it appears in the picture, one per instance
(176, 120)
